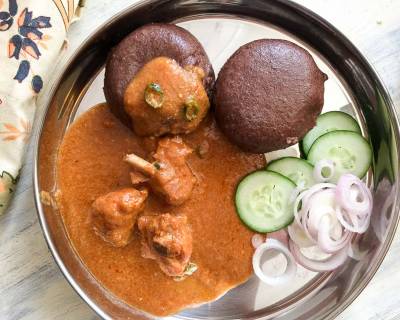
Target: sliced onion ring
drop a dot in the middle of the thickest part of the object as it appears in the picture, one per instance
(325, 241)
(257, 240)
(298, 236)
(304, 196)
(351, 221)
(320, 166)
(328, 264)
(349, 189)
(329, 217)
(321, 205)
(321, 223)
(318, 205)
(277, 246)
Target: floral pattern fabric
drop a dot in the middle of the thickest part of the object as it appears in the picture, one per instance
(32, 33)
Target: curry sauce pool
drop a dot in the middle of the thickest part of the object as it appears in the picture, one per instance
(90, 164)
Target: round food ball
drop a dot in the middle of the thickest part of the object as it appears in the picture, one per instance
(144, 44)
(268, 95)
(165, 98)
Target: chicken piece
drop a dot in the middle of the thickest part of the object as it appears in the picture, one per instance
(167, 239)
(165, 98)
(173, 180)
(115, 213)
(170, 175)
(138, 178)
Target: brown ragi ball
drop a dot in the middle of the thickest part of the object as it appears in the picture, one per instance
(268, 95)
(144, 44)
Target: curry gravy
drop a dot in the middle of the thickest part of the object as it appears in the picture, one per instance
(90, 164)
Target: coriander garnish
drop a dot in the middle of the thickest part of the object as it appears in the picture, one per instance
(189, 270)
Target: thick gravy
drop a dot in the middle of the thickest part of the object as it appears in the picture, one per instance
(90, 164)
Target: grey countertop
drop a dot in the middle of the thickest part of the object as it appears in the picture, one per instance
(32, 286)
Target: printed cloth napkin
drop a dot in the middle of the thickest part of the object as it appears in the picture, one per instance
(32, 33)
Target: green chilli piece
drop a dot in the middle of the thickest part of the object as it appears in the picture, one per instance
(263, 201)
(154, 95)
(191, 109)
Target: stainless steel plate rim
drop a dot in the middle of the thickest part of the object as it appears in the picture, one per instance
(347, 301)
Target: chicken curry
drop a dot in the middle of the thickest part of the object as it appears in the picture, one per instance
(153, 218)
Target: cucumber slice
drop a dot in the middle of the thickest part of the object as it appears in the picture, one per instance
(298, 170)
(263, 201)
(350, 152)
(326, 122)
(292, 151)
